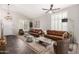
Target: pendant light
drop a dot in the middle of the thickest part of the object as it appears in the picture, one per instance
(8, 17)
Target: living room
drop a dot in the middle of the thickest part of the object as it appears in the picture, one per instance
(39, 28)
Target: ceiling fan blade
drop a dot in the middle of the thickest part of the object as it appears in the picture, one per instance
(44, 9)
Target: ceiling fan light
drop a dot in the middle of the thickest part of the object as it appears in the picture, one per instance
(8, 17)
(50, 12)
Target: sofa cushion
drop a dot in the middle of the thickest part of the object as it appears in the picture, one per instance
(53, 37)
(54, 32)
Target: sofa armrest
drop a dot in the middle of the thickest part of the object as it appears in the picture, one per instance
(65, 35)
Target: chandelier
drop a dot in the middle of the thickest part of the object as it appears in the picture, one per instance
(8, 17)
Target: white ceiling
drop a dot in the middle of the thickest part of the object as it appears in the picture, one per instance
(32, 10)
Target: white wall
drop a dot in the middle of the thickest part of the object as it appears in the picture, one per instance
(16, 24)
(45, 22)
(73, 15)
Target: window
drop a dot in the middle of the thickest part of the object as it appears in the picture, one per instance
(56, 21)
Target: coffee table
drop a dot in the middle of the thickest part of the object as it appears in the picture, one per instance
(48, 42)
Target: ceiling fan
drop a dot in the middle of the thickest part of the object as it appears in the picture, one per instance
(50, 9)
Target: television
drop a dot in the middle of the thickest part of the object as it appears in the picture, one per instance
(64, 20)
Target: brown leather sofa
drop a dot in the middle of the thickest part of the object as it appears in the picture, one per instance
(57, 35)
(36, 32)
(62, 39)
